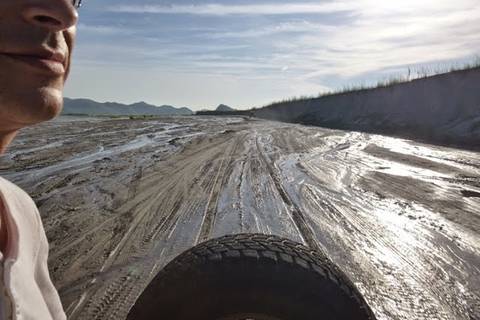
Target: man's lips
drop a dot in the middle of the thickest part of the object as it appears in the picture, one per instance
(49, 62)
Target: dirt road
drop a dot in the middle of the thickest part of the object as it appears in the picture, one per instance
(120, 198)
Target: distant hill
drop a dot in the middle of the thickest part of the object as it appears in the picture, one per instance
(224, 108)
(90, 107)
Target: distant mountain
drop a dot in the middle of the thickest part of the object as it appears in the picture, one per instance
(224, 108)
(90, 107)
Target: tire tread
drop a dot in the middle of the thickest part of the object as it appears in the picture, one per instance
(268, 247)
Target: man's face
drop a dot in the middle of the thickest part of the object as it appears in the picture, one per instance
(36, 41)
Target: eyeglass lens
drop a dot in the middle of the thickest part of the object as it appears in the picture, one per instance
(77, 3)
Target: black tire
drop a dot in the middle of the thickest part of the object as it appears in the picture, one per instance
(251, 276)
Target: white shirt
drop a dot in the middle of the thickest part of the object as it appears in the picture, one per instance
(27, 292)
(5, 301)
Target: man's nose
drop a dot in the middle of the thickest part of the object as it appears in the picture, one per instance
(55, 15)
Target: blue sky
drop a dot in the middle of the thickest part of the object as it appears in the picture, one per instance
(245, 54)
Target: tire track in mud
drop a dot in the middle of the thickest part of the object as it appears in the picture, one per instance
(112, 301)
(171, 168)
(218, 183)
(297, 215)
(134, 182)
(95, 302)
(113, 293)
(161, 226)
(239, 194)
(396, 282)
(419, 267)
(99, 302)
(412, 296)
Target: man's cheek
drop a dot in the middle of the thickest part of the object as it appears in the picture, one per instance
(70, 35)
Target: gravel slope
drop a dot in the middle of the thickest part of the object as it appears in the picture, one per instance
(442, 109)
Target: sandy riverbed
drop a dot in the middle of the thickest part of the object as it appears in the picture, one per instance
(120, 198)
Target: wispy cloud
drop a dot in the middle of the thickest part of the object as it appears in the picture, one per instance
(104, 29)
(292, 27)
(383, 35)
(248, 9)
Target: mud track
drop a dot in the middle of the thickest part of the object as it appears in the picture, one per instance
(121, 198)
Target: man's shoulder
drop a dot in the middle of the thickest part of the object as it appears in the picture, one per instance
(20, 207)
(11, 192)
(24, 223)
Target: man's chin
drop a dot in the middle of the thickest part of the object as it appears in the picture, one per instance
(30, 106)
(41, 105)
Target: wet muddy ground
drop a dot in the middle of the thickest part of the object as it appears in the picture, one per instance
(120, 198)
